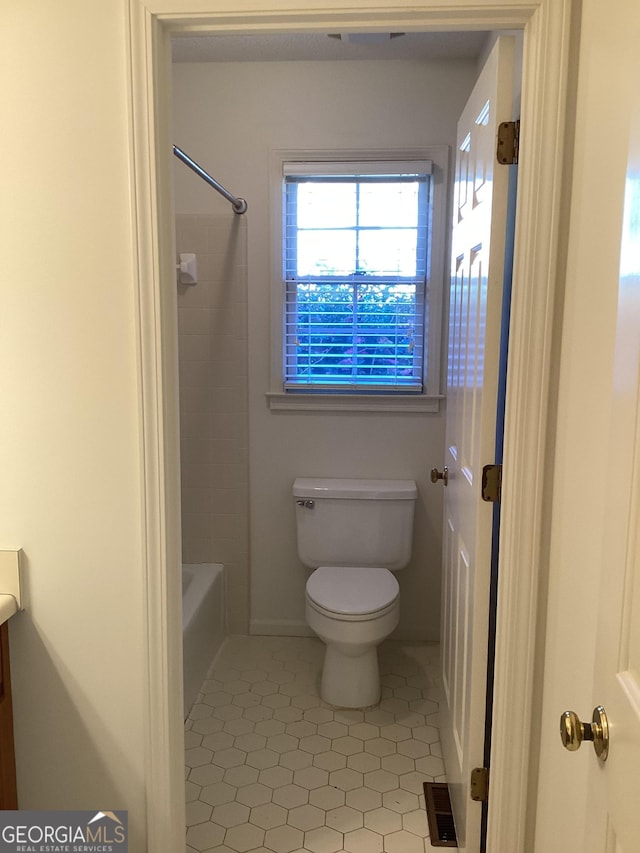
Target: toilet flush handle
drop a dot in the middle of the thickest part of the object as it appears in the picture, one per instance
(307, 504)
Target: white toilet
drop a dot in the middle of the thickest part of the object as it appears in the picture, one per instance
(354, 533)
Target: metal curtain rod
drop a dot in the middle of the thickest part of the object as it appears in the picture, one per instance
(239, 204)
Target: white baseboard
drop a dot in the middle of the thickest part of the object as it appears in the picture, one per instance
(415, 634)
(280, 628)
(294, 628)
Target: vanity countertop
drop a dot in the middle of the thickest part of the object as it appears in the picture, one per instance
(8, 606)
(10, 590)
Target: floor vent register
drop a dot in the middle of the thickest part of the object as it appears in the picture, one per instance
(439, 815)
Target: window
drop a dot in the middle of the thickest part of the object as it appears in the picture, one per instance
(356, 282)
(355, 238)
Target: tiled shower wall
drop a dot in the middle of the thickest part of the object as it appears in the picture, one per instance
(212, 335)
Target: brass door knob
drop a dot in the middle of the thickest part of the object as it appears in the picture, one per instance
(440, 475)
(573, 731)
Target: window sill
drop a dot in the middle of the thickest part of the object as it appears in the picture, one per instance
(405, 403)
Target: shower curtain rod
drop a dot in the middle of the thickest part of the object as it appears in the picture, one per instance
(239, 204)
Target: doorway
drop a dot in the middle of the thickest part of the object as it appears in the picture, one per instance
(546, 45)
(361, 106)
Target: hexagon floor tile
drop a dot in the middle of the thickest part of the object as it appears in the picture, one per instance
(271, 767)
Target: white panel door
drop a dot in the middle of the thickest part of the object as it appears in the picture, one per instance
(613, 811)
(478, 244)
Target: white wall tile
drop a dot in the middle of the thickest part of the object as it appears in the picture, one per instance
(213, 404)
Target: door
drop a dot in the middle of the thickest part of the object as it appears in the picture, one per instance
(585, 804)
(613, 814)
(478, 245)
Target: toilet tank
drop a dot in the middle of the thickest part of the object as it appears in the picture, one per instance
(344, 522)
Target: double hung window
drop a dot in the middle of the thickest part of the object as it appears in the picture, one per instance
(356, 259)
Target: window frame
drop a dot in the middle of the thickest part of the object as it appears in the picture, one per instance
(437, 252)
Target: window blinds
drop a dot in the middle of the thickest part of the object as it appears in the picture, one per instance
(355, 271)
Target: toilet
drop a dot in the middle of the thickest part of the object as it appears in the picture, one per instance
(354, 534)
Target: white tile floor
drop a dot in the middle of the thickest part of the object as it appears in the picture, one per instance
(271, 768)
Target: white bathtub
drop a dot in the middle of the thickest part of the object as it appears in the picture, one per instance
(203, 624)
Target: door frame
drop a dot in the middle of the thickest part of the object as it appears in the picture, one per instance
(546, 25)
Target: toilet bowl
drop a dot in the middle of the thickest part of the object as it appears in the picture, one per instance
(355, 534)
(352, 610)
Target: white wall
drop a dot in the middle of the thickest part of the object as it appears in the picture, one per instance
(70, 457)
(229, 117)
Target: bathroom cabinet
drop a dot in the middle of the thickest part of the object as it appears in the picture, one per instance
(8, 789)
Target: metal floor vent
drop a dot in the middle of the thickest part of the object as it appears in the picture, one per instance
(439, 815)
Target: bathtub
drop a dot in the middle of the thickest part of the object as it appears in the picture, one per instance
(203, 627)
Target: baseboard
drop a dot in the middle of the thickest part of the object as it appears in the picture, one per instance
(414, 634)
(294, 628)
(279, 628)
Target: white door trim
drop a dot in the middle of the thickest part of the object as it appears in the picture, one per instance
(546, 24)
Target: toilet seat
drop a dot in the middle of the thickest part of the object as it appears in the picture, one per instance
(352, 593)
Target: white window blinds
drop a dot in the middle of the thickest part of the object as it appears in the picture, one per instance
(355, 272)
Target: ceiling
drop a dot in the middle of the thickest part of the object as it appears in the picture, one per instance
(317, 46)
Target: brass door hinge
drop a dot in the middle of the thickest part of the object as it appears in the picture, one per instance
(492, 483)
(508, 143)
(480, 784)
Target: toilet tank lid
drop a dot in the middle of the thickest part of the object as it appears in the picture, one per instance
(381, 490)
